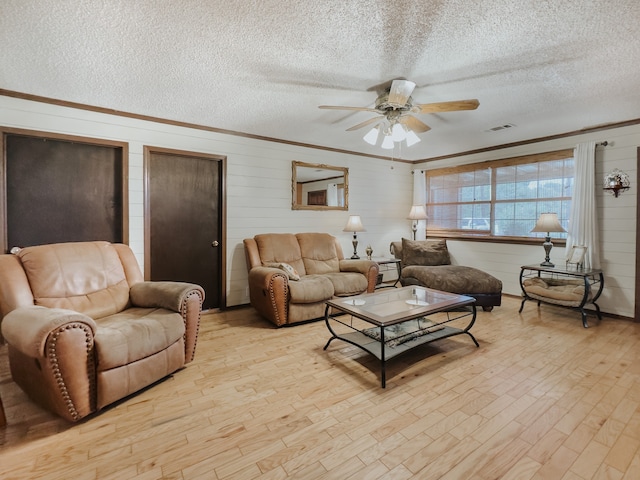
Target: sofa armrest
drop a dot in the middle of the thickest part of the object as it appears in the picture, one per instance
(269, 293)
(368, 268)
(184, 298)
(359, 266)
(27, 328)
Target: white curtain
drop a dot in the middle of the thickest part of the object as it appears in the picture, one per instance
(332, 194)
(419, 188)
(583, 221)
(420, 198)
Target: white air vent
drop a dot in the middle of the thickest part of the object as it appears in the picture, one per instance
(501, 127)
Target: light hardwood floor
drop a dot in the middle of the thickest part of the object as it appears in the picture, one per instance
(542, 398)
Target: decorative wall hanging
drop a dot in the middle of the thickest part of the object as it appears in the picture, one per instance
(616, 181)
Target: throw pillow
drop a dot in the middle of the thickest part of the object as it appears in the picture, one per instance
(425, 252)
(291, 272)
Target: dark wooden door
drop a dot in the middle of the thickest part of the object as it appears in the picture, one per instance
(62, 190)
(184, 213)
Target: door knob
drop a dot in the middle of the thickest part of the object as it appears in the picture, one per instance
(215, 243)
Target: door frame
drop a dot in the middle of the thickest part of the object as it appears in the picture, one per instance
(148, 151)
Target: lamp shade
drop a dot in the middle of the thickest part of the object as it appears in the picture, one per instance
(372, 136)
(387, 142)
(418, 212)
(354, 224)
(398, 133)
(412, 138)
(548, 222)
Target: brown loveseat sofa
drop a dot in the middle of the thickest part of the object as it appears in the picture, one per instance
(292, 275)
(84, 330)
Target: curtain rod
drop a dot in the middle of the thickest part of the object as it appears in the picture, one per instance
(602, 144)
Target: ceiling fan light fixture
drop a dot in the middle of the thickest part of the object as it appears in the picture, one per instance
(372, 136)
(412, 138)
(395, 104)
(387, 143)
(398, 133)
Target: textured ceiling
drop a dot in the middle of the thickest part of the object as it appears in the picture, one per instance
(263, 67)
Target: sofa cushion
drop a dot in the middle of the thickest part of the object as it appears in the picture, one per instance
(311, 289)
(453, 278)
(318, 252)
(347, 283)
(134, 334)
(86, 277)
(280, 247)
(425, 252)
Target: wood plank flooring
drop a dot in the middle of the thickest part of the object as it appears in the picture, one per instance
(542, 398)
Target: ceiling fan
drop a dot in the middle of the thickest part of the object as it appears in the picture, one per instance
(396, 105)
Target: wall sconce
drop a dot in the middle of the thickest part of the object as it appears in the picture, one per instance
(616, 181)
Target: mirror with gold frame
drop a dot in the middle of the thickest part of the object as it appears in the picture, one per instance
(317, 186)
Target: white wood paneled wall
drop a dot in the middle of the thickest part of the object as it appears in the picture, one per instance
(258, 181)
(259, 194)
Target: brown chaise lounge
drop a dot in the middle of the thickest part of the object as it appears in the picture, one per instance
(428, 263)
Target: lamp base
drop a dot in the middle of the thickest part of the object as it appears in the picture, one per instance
(354, 242)
(547, 245)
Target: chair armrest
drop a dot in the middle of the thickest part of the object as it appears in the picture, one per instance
(184, 298)
(54, 349)
(269, 293)
(28, 328)
(368, 268)
(167, 295)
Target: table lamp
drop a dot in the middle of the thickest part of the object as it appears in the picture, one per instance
(547, 223)
(354, 225)
(417, 212)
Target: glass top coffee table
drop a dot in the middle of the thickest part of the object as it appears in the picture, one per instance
(393, 321)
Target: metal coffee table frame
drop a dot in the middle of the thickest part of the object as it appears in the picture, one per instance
(395, 306)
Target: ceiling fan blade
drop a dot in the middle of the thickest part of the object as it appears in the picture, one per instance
(336, 107)
(414, 124)
(400, 92)
(364, 124)
(446, 106)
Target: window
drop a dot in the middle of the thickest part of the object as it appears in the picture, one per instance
(501, 197)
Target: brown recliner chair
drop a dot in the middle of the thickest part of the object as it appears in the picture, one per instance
(84, 329)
